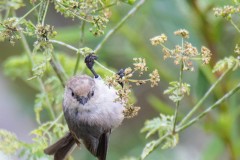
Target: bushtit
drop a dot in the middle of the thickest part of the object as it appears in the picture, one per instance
(91, 113)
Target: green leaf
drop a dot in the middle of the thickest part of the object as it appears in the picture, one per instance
(176, 91)
(9, 144)
(163, 126)
(149, 147)
(170, 141)
(151, 126)
(38, 105)
(227, 63)
(29, 27)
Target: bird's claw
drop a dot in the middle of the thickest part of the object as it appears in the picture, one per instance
(89, 60)
(121, 74)
(75, 138)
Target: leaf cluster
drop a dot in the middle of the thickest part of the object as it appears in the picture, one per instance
(161, 126)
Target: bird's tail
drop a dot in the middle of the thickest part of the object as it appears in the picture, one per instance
(61, 148)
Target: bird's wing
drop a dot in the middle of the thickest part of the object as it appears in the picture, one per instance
(103, 146)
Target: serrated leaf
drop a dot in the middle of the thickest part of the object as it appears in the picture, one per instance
(160, 125)
(151, 126)
(170, 141)
(176, 91)
(149, 147)
(10, 140)
(227, 63)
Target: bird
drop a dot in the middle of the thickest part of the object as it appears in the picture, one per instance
(91, 112)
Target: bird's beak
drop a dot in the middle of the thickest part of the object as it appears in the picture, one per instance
(82, 100)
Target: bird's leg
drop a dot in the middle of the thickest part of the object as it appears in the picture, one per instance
(75, 138)
(121, 75)
(89, 60)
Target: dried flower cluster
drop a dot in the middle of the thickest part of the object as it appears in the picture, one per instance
(226, 12)
(9, 30)
(86, 11)
(206, 55)
(158, 39)
(98, 25)
(131, 111)
(154, 78)
(45, 32)
(182, 32)
(139, 65)
(185, 52)
(124, 78)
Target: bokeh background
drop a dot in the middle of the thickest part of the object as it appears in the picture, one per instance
(215, 137)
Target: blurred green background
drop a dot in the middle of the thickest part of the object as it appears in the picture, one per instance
(217, 136)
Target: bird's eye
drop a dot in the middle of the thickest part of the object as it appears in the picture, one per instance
(92, 94)
(72, 94)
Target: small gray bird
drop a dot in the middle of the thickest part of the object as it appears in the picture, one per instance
(91, 113)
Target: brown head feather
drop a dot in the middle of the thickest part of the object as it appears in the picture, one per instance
(81, 84)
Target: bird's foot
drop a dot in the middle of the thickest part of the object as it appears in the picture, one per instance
(121, 74)
(89, 60)
(75, 138)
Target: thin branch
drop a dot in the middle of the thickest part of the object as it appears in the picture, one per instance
(28, 50)
(109, 70)
(112, 31)
(75, 49)
(107, 6)
(24, 16)
(64, 44)
(59, 71)
(235, 26)
(77, 64)
(180, 87)
(7, 13)
(81, 42)
(45, 12)
(203, 98)
(81, 18)
(180, 128)
(158, 142)
(54, 122)
(226, 96)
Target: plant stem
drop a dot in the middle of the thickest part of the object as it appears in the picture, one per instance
(7, 13)
(77, 63)
(45, 12)
(28, 50)
(64, 44)
(178, 102)
(81, 42)
(203, 98)
(81, 18)
(53, 123)
(75, 49)
(226, 96)
(235, 26)
(112, 31)
(158, 142)
(59, 71)
(24, 16)
(109, 70)
(194, 120)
